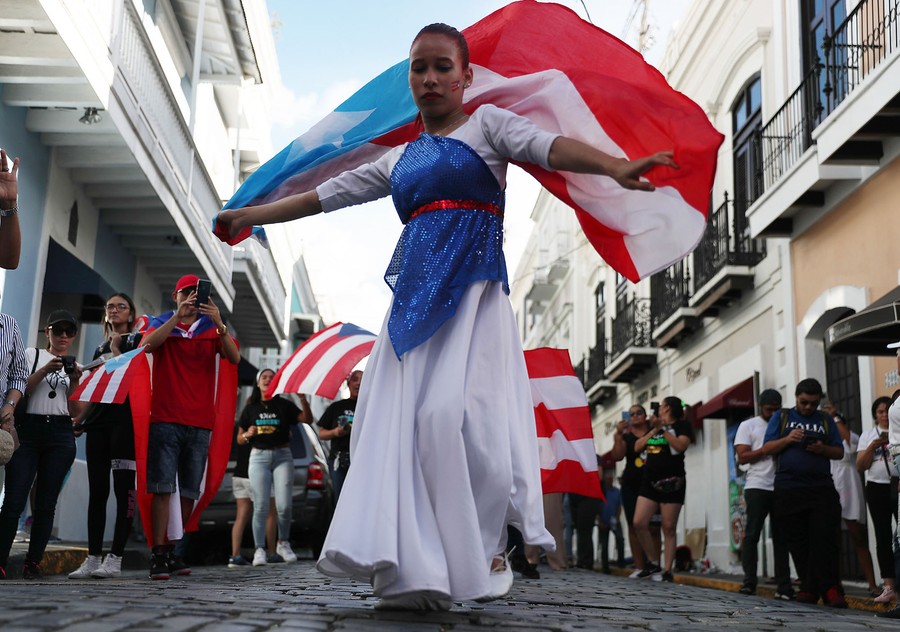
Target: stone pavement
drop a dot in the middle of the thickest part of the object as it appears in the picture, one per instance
(295, 596)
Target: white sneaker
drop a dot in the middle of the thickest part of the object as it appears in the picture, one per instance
(635, 574)
(259, 557)
(111, 567)
(284, 550)
(21, 536)
(88, 566)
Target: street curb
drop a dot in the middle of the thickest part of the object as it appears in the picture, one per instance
(62, 559)
(733, 585)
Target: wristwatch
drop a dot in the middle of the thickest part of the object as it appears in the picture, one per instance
(6, 212)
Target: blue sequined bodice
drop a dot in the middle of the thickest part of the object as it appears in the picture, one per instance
(441, 251)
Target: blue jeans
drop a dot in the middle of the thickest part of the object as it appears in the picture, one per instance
(44, 457)
(175, 449)
(271, 474)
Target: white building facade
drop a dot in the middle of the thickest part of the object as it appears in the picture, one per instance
(748, 309)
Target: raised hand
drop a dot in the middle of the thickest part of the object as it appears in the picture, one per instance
(629, 173)
(9, 186)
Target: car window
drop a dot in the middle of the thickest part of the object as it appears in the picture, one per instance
(298, 444)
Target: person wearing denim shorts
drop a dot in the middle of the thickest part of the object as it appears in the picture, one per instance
(186, 345)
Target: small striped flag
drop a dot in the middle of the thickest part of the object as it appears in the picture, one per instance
(111, 382)
(565, 436)
(320, 365)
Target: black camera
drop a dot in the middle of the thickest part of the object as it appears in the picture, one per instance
(68, 363)
(654, 408)
(810, 437)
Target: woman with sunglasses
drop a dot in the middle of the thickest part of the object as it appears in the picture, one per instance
(110, 447)
(47, 441)
(663, 487)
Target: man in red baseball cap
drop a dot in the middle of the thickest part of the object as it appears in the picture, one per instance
(186, 345)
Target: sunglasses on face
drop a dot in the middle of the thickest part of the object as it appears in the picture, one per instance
(63, 331)
(636, 413)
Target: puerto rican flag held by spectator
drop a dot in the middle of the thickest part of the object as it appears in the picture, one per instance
(219, 442)
(322, 363)
(565, 437)
(542, 61)
(111, 382)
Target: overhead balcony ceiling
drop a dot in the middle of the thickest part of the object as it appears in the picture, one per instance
(116, 162)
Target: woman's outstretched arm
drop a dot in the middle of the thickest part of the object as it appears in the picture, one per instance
(283, 210)
(568, 154)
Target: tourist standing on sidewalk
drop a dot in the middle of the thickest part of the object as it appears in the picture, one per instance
(881, 492)
(109, 446)
(894, 451)
(664, 483)
(186, 345)
(266, 423)
(443, 458)
(759, 496)
(849, 487)
(335, 426)
(47, 441)
(627, 434)
(807, 507)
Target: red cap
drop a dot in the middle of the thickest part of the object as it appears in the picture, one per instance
(188, 280)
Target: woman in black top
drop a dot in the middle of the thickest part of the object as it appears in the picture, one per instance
(266, 426)
(110, 446)
(662, 489)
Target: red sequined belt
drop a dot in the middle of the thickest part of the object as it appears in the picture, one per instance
(467, 205)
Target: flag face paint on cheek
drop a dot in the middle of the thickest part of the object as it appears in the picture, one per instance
(454, 86)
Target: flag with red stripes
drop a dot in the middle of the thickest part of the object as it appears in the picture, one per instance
(541, 61)
(111, 382)
(322, 363)
(565, 436)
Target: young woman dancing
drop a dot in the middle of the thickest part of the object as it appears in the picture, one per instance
(444, 451)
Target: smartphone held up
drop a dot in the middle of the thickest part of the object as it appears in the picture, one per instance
(204, 286)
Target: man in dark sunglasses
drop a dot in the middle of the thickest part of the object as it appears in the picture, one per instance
(807, 507)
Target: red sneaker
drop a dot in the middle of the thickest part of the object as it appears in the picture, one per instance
(834, 598)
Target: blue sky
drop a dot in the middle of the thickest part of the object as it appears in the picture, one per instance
(328, 50)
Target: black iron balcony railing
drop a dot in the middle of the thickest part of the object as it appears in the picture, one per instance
(726, 242)
(581, 372)
(869, 35)
(596, 359)
(631, 326)
(669, 291)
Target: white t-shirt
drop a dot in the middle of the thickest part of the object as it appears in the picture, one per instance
(39, 400)
(761, 474)
(877, 473)
(894, 424)
(497, 135)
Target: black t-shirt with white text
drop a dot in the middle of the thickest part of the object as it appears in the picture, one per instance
(662, 460)
(338, 414)
(273, 420)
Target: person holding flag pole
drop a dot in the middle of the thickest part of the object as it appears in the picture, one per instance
(444, 447)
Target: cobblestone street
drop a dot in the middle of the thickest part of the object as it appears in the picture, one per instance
(296, 597)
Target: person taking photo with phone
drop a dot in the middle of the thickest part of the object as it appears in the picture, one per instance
(663, 487)
(46, 441)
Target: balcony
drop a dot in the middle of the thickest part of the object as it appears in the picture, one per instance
(724, 260)
(631, 352)
(593, 372)
(671, 316)
(258, 313)
(838, 126)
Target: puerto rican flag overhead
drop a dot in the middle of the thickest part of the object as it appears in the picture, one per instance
(542, 61)
(111, 382)
(322, 363)
(565, 437)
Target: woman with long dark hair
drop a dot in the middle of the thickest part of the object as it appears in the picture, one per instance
(110, 447)
(663, 488)
(874, 460)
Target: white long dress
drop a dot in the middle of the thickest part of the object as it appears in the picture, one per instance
(444, 450)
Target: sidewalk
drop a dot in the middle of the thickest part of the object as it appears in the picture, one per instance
(856, 595)
(62, 558)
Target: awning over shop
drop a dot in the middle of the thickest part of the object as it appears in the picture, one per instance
(866, 332)
(733, 403)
